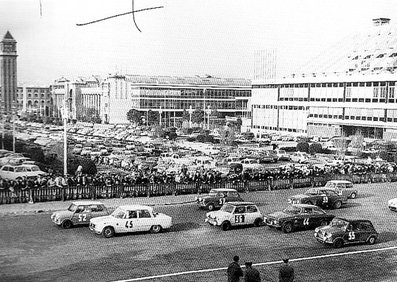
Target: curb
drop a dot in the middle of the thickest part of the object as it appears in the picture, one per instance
(46, 211)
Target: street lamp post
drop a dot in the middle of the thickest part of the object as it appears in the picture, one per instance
(13, 112)
(160, 112)
(204, 90)
(208, 111)
(190, 115)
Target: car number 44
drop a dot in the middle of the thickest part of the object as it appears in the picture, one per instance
(306, 221)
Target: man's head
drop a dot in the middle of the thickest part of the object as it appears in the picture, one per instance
(248, 263)
(236, 258)
(285, 260)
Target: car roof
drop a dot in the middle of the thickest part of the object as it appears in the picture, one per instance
(340, 181)
(86, 203)
(240, 203)
(224, 190)
(135, 207)
(353, 220)
(304, 206)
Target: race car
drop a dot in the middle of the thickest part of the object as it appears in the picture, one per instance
(322, 197)
(217, 197)
(342, 187)
(298, 216)
(130, 218)
(79, 213)
(392, 204)
(235, 214)
(342, 231)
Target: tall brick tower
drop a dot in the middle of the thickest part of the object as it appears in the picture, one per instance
(8, 73)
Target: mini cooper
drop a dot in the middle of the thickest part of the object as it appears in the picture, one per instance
(79, 213)
(322, 197)
(130, 218)
(217, 197)
(392, 204)
(235, 214)
(298, 216)
(343, 231)
(343, 187)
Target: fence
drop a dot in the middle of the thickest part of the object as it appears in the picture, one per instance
(150, 190)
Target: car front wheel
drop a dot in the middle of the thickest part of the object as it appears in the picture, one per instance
(108, 232)
(211, 207)
(338, 243)
(371, 240)
(67, 224)
(337, 204)
(287, 227)
(226, 226)
(155, 229)
(258, 222)
(353, 196)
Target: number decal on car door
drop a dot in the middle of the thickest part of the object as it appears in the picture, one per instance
(352, 236)
(306, 221)
(325, 199)
(128, 224)
(82, 217)
(239, 218)
(222, 201)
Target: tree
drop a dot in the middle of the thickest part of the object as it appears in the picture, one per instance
(198, 116)
(315, 148)
(153, 117)
(357, 144)
(185, 115)
(239, 123)
(228, 135)
(134, 116)
(302, 147)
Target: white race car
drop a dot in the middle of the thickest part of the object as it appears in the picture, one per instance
(393, 204)
(130, 218)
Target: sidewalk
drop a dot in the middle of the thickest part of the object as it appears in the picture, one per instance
(47, 207)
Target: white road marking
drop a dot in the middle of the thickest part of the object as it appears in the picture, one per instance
(257, 264)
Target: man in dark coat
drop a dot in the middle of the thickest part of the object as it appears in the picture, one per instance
(234, 271)
(251, 274)
(286, 272)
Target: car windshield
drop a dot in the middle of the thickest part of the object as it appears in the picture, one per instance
(72, 208)
(19, 169)
(330, 185)
(340, 223)
(227, 208)
(35, 168)
(311, 192)
(118, 213)
(292, 210)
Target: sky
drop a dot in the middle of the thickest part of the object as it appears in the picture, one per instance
(185, 38)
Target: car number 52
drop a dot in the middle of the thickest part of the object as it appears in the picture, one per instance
(222, 201)
(82, 217)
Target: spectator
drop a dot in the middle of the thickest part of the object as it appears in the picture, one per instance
(251, 274)
(234, 271)
(286, 272)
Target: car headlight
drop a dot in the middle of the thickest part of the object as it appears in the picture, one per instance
(327, 235)
(289, 201)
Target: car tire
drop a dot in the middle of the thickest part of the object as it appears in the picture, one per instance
(226, 226)
(287, 227)
(155, 229)
(337, 205)
(108, 232)
(324, 223)
(258, 222)
(371, 240)
(353, 196)
(66, 224)
(338, 243)
(211, 207)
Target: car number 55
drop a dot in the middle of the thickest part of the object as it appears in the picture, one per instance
(352, 236)
(239, 218)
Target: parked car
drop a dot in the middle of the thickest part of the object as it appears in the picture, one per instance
(235, 214)
(79, 213)
(298, 216)
(130, 218)
(217, 197)
(299, 157)
(11, 172)
(282, 155)
(343, 187)
(322, 197)
(343, 231)
(392, 204)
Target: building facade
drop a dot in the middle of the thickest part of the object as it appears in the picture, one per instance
(358, 97)
(8, 74)
(170, 96)
(34, 99)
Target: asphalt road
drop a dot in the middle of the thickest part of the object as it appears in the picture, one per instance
(33, 249)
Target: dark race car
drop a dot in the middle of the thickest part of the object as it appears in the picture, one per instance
(343, 231)
(298, 216)
(217, 197)
(322, 197)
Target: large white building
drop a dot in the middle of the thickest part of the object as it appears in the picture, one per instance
(352, 90)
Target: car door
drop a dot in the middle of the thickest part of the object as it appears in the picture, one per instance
(81, 215)
(352, 234)
(251, 214)
(130, 222)
(145, 220)
(305, 218)
(239, 216)
(221, 198)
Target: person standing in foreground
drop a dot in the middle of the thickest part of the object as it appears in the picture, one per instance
(234, 271)
(251, 274)
(286, 272)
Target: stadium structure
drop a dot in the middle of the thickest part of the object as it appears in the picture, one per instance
(349, 89)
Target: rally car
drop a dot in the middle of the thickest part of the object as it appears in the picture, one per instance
(343, 187)
(322, 197)
(79, 213)
(217, 197)
(235, 214)
(343, 231)
(130, 218)
(392, 204)
(298, 216)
